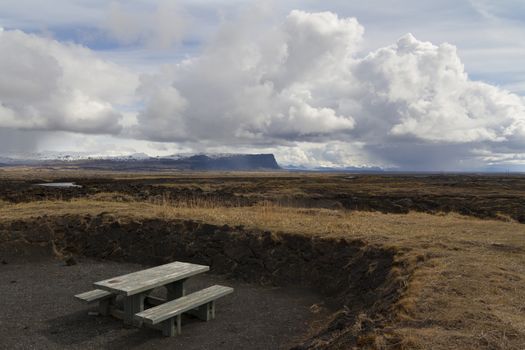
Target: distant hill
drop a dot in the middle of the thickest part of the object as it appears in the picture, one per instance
(200, 162)
(350, 169)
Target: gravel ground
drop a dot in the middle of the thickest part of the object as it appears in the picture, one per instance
(38, 311)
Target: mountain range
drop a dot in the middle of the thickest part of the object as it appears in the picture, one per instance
(140, 161)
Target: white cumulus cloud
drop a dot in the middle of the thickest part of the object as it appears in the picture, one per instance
(258, 89)
(306, 80)
(426, 93)
(47, 85)
(302, 86)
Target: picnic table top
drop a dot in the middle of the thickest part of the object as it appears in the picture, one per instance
(140, 281)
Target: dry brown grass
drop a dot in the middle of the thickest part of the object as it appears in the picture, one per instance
(57, 172)
(467, 292)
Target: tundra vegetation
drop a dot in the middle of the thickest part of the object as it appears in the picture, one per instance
(454, 244)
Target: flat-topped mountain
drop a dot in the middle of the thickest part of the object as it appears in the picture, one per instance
(226, 162)
(230, 162)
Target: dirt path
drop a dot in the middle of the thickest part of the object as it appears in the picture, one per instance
(38, 312)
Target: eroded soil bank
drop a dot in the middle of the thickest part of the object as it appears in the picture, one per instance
(362, 281)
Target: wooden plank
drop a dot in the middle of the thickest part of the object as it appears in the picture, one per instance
(132, 305)
(172, 327)
(104, 305)
(204, 312)
(154, 301)
(176, 289)
(178, 306)
(143, 280)
(119, 314)
(94, 295)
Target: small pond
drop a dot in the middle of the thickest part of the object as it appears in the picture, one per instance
(59, 184)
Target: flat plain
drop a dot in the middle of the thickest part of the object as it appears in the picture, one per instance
(403, 261)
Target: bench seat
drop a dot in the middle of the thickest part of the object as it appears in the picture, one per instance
(105, 299)
(200, 303)
(93, 295)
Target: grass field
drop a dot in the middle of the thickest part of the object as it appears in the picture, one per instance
(467, 290)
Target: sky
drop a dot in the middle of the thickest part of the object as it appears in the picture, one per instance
(398, 84)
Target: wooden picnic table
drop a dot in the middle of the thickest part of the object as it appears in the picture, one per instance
(135, 287)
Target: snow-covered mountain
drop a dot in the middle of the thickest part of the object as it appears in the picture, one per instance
(68, 156)
(141, 161)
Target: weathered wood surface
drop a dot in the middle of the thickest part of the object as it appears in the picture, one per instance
(154, 301)
(204, 312)
(140, 281)
(176, 289)
(132, 305)
(119, 314)
(94, 295)
(178, 306)
(171, 327)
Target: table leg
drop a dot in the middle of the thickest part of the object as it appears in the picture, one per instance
(204, 312)
(175, 290)
(172, 326)
(105, 305)
(132, 305)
